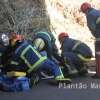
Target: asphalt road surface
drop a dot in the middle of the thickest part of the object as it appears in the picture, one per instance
(82, 88)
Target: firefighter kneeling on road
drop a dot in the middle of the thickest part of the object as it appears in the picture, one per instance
(74, 53)
(21, 59)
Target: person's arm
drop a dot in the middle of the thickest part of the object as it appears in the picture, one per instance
(56, 54)
(5, 57)
(97, 33)
(49, 50)
(92, 16)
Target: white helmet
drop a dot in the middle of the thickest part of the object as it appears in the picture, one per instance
(4, 39)
(39, 44)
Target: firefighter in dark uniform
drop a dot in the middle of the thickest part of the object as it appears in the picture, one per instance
(45, 41)
(74, 53)
(22, 58)
(93, 23)
(4, 41)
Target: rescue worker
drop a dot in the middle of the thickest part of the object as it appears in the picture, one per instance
(22, 58)
(10, 83)
(45, 41)
(4, 41)
(74, 53)
(93, 23)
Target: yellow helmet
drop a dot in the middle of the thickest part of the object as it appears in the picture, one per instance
(39, 44)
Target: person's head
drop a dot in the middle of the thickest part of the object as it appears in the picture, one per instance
(85, 6)
(62, 35)
(14, 38)
(4, 39)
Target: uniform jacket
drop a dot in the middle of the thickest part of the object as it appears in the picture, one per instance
(50, 46)
(22, 57)
(92, 16)
(75, 46)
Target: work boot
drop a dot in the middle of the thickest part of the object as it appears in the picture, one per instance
(73, 72)
(83, 71)
(63, 80)
(34, 80)
(70, 71)
(58, 80)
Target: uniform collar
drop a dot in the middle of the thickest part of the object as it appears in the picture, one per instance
(89, 10)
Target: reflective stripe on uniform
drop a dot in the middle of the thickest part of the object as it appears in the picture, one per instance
(83, 58)
(98, 21)
(97, 52)
(37, 63)
(45, 34)
(1, 65)
(61, 76)
(97, 39)
(76, 45)
(0, 54)
(15, 74)
(13, 62)
(31, 67)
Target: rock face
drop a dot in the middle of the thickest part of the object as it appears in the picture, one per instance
(29, 16)
(6, 18)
